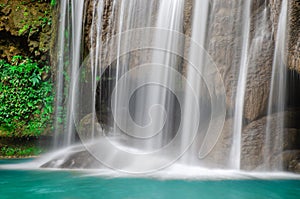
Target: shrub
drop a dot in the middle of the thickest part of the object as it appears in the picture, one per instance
(19, 151)
(25, 98)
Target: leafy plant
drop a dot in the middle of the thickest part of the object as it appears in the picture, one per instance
(7, 151)
(19, 151)
(53, 3)
(25, 99)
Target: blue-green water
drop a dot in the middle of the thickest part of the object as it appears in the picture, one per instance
(67, 184)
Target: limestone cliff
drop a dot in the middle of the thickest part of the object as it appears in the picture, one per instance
(25, 29)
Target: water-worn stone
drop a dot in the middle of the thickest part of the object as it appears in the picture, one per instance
(89, 127)
(220, 155)
(76, 160)
(266, 151)
(225, 39)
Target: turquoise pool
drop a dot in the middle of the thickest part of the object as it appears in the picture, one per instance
(35, 184)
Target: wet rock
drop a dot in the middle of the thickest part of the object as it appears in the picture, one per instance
(76, 160)
(223, 44)
(81, 160)
(291, 139)
(291, 160)
(219, 156)
(268, 151)
(224, 41)
(294, 35)
(89, 127)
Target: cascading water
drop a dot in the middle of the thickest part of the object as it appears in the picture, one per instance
(277, 100)
(136, 84)
(69, 45)
(241, 87)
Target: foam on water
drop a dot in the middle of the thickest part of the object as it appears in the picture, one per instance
(174, 171)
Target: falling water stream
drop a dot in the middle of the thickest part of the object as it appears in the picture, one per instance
(277, 101)
(136, 83)
(241, 89)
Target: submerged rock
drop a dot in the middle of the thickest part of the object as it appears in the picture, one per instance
(77, 160)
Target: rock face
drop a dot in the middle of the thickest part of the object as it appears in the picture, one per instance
(87, 125)
(294, 35)
(258, 148)
(25, 29)
(223, 44)
(224, 41)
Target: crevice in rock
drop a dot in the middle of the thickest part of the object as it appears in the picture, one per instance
(12, 45)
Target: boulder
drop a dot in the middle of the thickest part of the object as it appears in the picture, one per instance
(89, 127)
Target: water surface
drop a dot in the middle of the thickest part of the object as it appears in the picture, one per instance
(75, 184)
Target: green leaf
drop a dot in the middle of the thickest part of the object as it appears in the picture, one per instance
(25, 100)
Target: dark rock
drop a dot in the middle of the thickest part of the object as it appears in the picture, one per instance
(291, 139)
(76, 160)
(291, 160)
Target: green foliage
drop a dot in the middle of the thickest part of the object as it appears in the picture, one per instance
(19, 151)
(25, 99)
(53, 3)
(45, 21)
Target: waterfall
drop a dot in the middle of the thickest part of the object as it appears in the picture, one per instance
(60, 70)
(68, 59)
(277, 100)
(241, 87)
(143, 83)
